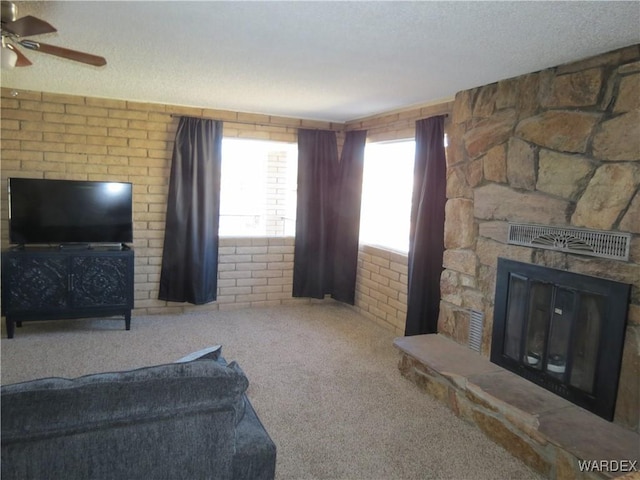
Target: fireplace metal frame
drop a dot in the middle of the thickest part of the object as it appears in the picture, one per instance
(609, 357)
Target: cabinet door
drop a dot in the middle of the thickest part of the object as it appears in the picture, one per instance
(34, 282)
(99, 281)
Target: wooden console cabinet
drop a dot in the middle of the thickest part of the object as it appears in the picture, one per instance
(60, 283)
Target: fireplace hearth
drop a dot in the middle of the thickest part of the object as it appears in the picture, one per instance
(561, 330)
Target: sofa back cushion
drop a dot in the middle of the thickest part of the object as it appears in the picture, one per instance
(168, 421)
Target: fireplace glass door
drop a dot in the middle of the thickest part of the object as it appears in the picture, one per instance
(537, 324)
(550, 325)
(561, 330)
(586, 342)
(562, 320)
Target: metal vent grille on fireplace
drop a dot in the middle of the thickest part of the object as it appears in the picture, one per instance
(595, 243)
(475, 330)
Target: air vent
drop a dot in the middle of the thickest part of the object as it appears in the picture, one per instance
(595, 243)
(475, 330)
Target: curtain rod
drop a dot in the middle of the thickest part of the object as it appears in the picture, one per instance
(258, 124)
(284, 125)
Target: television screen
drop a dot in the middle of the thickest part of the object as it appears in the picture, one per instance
(69, 211)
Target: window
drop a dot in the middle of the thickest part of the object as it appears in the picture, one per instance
(258, 188)
(386, 194)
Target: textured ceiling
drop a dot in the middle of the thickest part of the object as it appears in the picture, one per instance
(333, 61)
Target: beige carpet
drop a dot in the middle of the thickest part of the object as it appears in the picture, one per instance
(323, 379)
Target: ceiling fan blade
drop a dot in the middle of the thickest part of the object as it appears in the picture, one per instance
(27, 26)
(65, 53)
(22, 61)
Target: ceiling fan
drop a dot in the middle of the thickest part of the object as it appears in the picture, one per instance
(13, 31)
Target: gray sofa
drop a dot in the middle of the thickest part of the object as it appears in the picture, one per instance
(186, 420)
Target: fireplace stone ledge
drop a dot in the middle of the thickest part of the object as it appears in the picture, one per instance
(547, 432)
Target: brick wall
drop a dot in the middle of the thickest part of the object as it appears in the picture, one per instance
(381, 284)
(255, 272)
(56, 136)
(82, 138)
(381, 287)
(276, 210)
(399, 125)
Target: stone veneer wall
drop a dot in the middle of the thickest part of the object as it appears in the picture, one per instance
(557, 147)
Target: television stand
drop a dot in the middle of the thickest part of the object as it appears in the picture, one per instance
(55, 284)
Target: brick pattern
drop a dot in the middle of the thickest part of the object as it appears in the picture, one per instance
(400, 124)
(381, 287)
(56, 136)
(46, 135)
(276, 210)
(255, 272)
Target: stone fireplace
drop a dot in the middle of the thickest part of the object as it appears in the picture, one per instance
(558, 147)
(562, 331)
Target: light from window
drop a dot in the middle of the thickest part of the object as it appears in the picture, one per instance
(258, 188)
(386, 194)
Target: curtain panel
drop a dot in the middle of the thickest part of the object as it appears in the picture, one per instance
(328, 215)
(317, 169)
(347, 216)
(190, 253)
(426, 240)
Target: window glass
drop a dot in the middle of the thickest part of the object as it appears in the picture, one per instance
(258, 188)
(386, 194)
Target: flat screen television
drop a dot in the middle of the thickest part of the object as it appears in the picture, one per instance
(43, 211)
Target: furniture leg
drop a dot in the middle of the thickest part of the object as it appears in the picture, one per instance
(10, 326)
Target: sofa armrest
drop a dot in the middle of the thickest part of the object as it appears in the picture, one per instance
(255, 457)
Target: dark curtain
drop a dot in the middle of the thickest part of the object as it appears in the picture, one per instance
(347, 216)
(317, 171)
(426, 241)
(190, 255)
